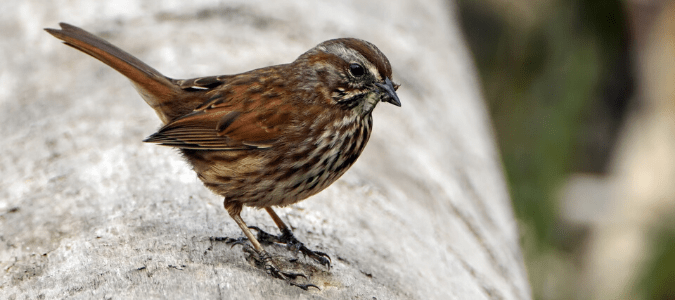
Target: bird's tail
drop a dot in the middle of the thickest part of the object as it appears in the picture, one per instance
(157, 89)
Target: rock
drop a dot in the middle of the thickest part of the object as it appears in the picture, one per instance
(89, 211)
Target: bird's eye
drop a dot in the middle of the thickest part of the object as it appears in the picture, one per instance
(356, 70)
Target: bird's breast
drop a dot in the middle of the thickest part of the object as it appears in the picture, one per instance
(288, 172)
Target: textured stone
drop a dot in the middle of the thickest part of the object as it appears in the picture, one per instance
(89, 211)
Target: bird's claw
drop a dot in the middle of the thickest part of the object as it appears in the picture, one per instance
(292, 244)
(304, 286)
(264, 260)
(318, 256)
(289, 277)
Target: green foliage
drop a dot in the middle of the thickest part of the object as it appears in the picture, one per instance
(658, 274)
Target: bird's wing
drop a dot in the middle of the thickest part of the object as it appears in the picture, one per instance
(228, 124)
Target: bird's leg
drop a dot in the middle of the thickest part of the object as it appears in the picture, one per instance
(291, 242)
(258, 253)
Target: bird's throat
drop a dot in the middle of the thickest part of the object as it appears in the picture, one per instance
(368, 103)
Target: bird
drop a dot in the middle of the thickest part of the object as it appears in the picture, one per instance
(269, 137)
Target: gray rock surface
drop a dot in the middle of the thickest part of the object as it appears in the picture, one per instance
(89, 211)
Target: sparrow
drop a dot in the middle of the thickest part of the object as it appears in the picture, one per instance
(265, 138)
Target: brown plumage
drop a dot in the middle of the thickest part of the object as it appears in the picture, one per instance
(268, 137)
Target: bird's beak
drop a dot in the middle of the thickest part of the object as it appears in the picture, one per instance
(390, 92)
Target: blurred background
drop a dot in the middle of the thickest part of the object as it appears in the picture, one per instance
(582, 98)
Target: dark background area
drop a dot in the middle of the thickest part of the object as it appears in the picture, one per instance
(560, 77)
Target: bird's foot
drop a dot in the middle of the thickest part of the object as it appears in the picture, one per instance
(264, 261)
(292, 244)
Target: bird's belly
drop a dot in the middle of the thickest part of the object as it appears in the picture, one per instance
(279, 176)
(258, 186)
